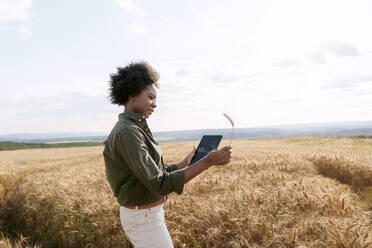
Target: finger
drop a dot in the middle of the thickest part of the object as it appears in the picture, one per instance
(226, 148)
(226, 153)
(225, 161)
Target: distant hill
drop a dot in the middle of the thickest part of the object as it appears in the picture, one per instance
(10, 145)
(46, 137)
(336, 128)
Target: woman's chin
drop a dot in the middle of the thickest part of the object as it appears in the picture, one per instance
(147, 114)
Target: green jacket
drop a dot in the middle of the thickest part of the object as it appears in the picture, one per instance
(134, 163)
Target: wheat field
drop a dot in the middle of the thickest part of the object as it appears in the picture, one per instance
(282, 192)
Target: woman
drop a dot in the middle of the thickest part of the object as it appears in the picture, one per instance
(134, 164)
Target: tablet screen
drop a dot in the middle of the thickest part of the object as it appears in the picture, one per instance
(207, 144)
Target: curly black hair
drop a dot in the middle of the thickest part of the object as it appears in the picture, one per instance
(131, 80)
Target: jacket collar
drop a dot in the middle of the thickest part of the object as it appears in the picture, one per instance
(139, 119)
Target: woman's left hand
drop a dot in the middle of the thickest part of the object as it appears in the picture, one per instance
(188, 158)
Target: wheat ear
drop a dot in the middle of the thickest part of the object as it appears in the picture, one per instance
(232, 124)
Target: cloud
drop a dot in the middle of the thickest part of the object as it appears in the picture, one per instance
(65, 104)
(5, 28)
(331, 50)
(340, 49)
(287, 62)
(295, 100)
(183, 72)
(129, 7)
(61, 112)
(233, 77)
(15, 10)
(183, 78)
(225, 77)
(26, 32)
(317, 57)
(138, 28)
(204, 88)
(350, 80)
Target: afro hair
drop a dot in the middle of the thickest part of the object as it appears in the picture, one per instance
(130, 81)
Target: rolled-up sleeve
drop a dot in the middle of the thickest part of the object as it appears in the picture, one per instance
(134, 151)
(171, 167)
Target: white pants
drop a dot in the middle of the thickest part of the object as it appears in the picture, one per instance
(146, 228)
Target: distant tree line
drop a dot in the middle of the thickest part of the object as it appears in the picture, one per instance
(9, 145)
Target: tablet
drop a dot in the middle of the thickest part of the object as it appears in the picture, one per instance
(207, 144)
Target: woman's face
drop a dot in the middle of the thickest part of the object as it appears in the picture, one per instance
(145, 102)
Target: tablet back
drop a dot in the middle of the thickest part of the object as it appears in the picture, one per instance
(207, 144)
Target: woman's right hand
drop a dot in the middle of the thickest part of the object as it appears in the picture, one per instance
(219, 157)
(215, 157)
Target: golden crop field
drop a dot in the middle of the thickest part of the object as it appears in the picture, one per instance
(284, 192)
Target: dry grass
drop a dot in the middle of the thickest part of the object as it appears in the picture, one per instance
(288, 192)
(19, 243)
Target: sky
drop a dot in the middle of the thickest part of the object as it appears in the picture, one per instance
(262, 62)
